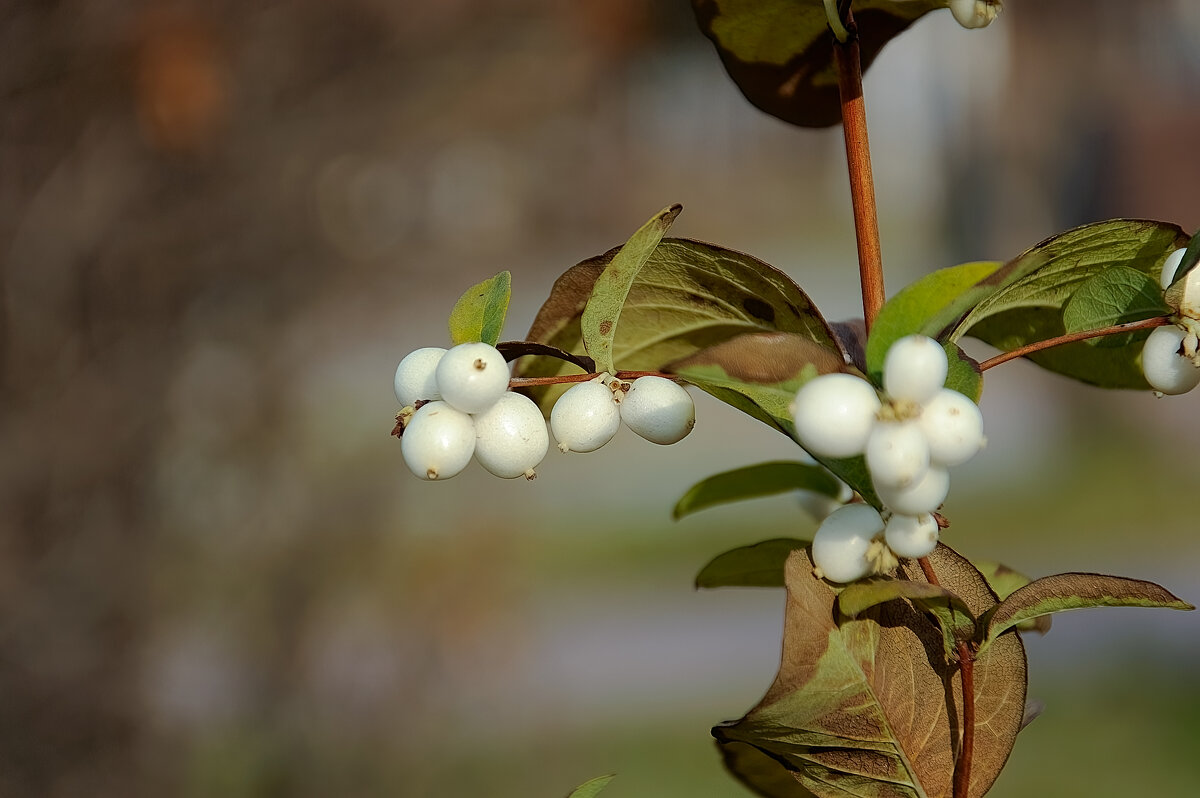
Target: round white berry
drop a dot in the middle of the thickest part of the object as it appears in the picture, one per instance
(659, 410)
(953, 425)
(834, 414)
(1164, 367)
(911, 535)
(511, 437)
(472, 376)
(839, 547)
(438, 441)
(1169, 266)
(974, 13)
(416, 376)
(914, 369)
(585, 417)
(897, 453)
(924, 496)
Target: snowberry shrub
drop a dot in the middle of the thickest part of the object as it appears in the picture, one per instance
(903, 669)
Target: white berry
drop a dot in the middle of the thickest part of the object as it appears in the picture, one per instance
(839, 548)
(953, 425)
(585, 417)
(511, 437)
(415, 376)
(834, 414)
(438, 441)
(659, 410)
(1169, 266)
(897, 453)
(974, 13)
(911, 536)
(914, 369)
(1164, 367)
(472, 376)
(924, 496)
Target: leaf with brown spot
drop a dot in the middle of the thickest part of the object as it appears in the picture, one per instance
(686, 297)
(599, 320)
(863, 709)
(1076, 591)
(780, 52)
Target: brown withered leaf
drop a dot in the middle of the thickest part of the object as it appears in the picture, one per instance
(861, 708)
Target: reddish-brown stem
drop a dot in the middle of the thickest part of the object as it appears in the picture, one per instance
(563, 379)
(927, 567)
(1070, 338)
(858, 163)
(962, 768)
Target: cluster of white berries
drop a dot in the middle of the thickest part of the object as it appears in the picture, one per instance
(466, 410)
(910, 440)
(463, 409)
(1170, 358)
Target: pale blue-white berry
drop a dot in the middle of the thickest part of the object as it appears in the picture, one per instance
(914, 369)
(472, 376)
(839, 548)
(416, 376)
(511, 437)
(911, 536)
(585, 417)
(834, 414)
(953, 425)
(658, 409)
(923, 496)
(438, 441)
(1164, 365)
(897, 453)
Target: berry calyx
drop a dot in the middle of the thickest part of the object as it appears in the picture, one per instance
(472, 376)
(511, 437)
(914, 369)
(839, 548)
(897, 453)
(416, 378)
(585, 417)
(953, 425)
(658, 409)
(438, 441)
(1165, 365)
(911, 536)
(834, 414)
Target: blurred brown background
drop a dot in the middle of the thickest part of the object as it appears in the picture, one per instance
(223, 223)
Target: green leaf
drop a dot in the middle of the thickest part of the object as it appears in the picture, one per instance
(871, 706)
(1115, 296)
(758, 565)
(603, 309)
(780, 53)
(929, 307)
(479, 313)
(1076, 591)
(592, 787)
(687, 297)
(951, 612)
(963, 374)
(1004, 580)
(752, 482)
(1030, 293)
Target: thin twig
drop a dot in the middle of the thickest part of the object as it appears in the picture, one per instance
(962, 768)
(1070, 338)
(858, 163)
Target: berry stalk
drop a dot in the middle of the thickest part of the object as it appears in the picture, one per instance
(1070, 338)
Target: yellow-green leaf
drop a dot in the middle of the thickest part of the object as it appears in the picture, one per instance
(479, 313)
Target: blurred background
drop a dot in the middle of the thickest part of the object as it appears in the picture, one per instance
(223, 223)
